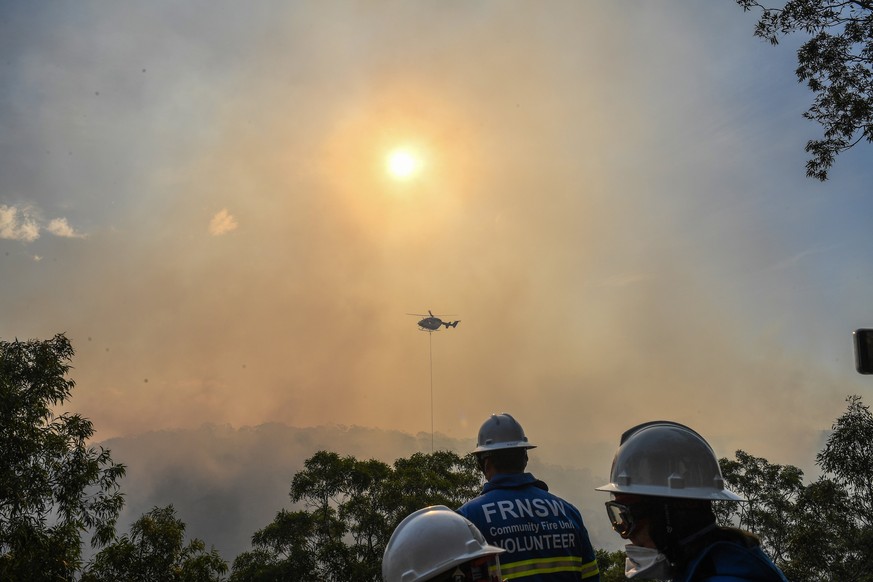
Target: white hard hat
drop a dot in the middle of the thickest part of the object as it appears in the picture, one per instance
(667, 459)
(501, 431)
(430, 542)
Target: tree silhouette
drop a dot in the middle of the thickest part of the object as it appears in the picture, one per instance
(815, 532)
(156, 550)
(53, 486)
(836, 63)
(351, 507)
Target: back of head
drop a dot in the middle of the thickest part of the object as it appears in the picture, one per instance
(509, 460)
(430, 542)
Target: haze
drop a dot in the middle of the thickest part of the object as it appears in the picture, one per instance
(611, 199)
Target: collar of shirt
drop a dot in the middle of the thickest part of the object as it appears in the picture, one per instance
(513, 481)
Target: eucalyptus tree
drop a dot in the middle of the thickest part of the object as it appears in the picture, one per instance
(155, 549)
(349, 509)
(817, 531)
(835, 62)
(54, 486)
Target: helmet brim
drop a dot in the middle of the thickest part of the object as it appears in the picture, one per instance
(683, 493)
(503, 446)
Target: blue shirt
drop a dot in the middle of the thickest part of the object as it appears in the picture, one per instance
(543, 535)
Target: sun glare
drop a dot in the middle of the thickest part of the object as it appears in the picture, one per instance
(403, 164)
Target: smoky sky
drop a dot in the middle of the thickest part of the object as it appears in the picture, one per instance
(612, 203)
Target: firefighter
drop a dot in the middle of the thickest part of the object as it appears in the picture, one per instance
(438, 545)
(543, 535)
(663, 481)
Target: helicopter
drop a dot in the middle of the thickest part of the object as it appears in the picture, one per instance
(432, 323)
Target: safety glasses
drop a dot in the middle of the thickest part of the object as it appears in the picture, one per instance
(622, 517)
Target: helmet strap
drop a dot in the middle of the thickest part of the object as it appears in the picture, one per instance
(675, 527)
(664, 533)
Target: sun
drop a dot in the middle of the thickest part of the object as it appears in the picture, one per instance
(403, 164)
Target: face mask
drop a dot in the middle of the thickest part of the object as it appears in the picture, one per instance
(646, 563)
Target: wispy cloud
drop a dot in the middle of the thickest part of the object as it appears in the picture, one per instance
(24, 224)
(18, 223)
(795, 259)
(61, 227)
(222, 223)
